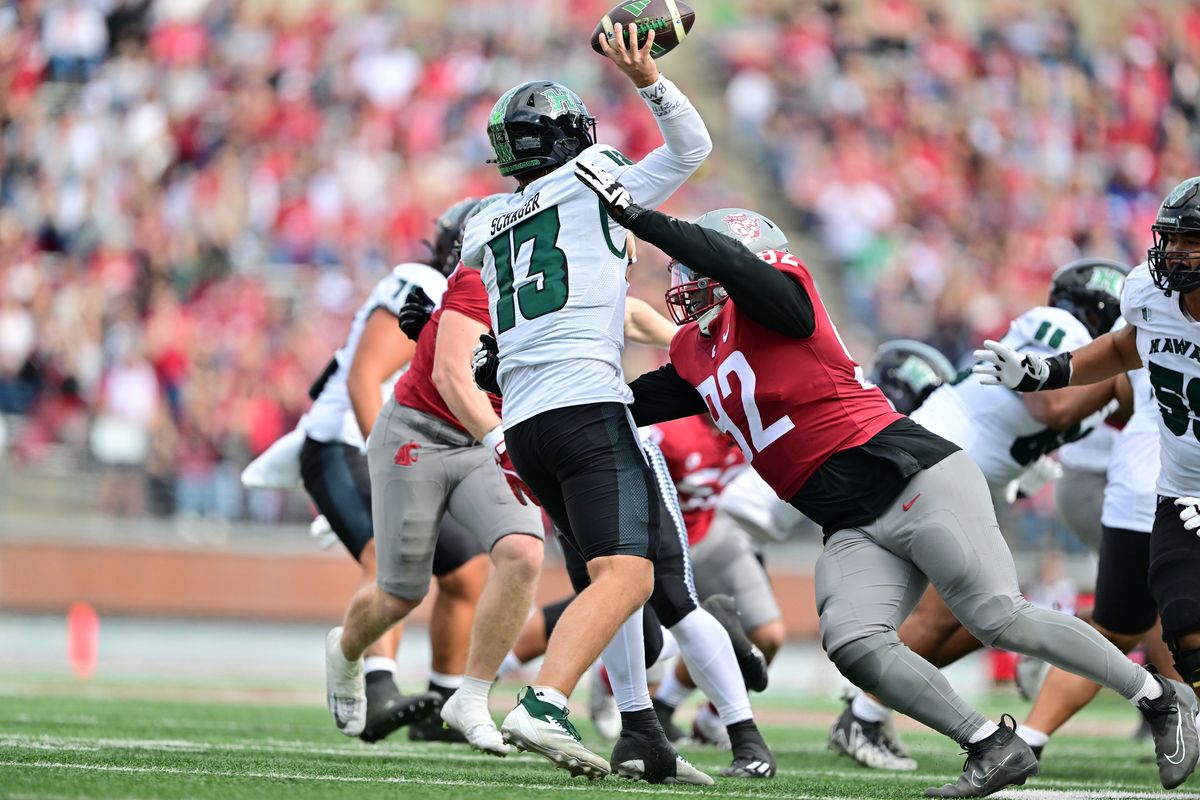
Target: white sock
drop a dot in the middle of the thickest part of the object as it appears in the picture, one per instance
(625, 660)
(987, 730)
(548, 694)
(510, 663)
(672, 691)
(445, 681)
(869, 709)
(475, 688)
(1032, 737)
(709, 655)
(379, 664)
(1151, 690)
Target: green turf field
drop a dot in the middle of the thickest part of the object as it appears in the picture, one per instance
(117, 744)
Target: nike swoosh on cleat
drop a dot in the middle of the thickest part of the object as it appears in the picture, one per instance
(909, 504)
(984, 777)
(1177, 756)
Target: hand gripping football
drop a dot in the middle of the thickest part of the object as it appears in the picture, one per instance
(671, 20)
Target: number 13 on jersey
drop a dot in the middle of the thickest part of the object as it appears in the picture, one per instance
(717, 387)
(542, 288)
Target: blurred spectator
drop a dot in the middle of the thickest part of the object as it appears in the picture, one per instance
(949, 156)
(194, 196)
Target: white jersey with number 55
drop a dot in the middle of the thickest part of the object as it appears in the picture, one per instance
(554, 266)
(994, 427)
(1168, 340)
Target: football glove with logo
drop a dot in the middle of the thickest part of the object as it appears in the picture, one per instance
(416, 311)
(1000, 365)
(485, 361)
(493, 440)
(613, 195)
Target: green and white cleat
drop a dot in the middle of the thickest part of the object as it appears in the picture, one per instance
(540, 727)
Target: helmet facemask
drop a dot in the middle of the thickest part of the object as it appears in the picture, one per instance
(1173, 269)
(692, 297)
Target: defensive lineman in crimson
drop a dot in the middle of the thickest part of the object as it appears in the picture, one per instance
(900, 507)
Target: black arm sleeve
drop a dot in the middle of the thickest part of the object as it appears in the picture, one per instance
(662, 395)
(766, 295)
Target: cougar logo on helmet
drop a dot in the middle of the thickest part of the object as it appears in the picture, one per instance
(744, 227)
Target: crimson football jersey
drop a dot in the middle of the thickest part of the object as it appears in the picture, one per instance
(702, 461)
(415, 388)
(789, 403)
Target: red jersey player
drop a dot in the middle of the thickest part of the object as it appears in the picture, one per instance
(702, 461)
(900, 506)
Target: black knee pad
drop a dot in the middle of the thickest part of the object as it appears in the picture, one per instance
(1174, 565)
(1124, 603)
(1187, 663)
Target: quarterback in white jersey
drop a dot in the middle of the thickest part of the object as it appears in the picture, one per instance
(554, 265)
(1162, 305)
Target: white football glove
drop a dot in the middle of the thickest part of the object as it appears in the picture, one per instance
(1002, 366)
(616, 198)
(1031, 481)
(1189, 512)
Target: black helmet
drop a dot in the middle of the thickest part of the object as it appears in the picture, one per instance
(539, 124)
(1179, 214)
(448, 236)
(1090, 290)
(908, 371)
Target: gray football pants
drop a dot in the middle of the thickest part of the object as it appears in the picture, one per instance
(942, 529)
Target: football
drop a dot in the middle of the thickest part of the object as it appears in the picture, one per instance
(671, 20)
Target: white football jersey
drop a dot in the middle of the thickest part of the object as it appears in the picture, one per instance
(993, 426)
(331, 417)
(1130, 497)
(1168, 341)
(554, 266)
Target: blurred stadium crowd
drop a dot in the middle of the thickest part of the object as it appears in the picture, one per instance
(195, 194)
(949, 166)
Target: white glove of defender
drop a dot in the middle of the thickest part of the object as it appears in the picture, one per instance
(1033, 479)
(1002, 366)
(1189, 512)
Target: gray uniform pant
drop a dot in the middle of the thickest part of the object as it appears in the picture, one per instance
(942, 529)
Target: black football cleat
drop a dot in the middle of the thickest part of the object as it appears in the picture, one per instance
(751, 756)
(643, 753)
(750, 659)
(388, 710)
(999, 761)
(1172, 721)
(432, 729)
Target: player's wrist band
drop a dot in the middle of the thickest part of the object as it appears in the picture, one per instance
(1058, 372)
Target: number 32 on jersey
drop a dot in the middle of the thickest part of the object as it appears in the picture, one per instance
(716, 388)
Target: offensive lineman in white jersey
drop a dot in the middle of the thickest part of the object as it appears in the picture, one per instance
(326, 455)
(553, 262)
(1162, 305)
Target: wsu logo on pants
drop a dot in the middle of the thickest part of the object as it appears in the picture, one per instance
(407, 454)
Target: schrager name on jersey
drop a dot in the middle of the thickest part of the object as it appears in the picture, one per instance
(513, 217)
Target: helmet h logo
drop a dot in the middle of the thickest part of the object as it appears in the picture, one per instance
(407, 454)
(744, 227)
(560, 102)
(1107, 280)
